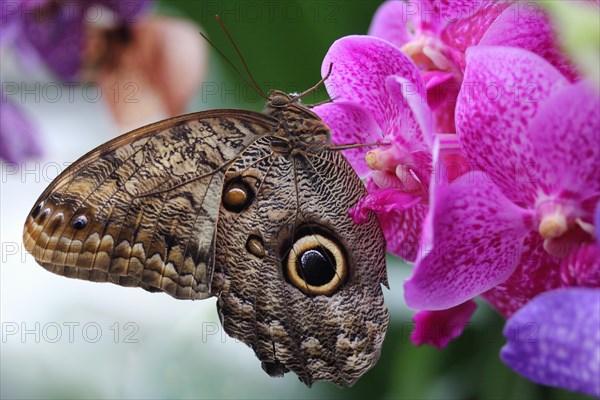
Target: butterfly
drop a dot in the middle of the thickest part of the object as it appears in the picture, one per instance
(248, 207)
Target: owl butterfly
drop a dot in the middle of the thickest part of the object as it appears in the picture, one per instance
(251, 208)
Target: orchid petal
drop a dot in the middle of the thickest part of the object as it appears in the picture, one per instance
(555, 340)
(381, 202)
(476, 235)
(402, 230)
(391, 22)
(435, 14)
(536, 272)
(402, 227)
(451, 9)
(438, 328)
(58, 39)
(502, 91)
(441, 97)
(566, 137)
(462, 33)
(57, 35)
(529, 27)
(413, 123)
(18, 139)
(361, 65)
(597, 222)
(10, 27)
(350, 124)
(582, 267)
(449, 162)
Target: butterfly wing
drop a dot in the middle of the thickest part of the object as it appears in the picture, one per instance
(334, 336)
(142, 209)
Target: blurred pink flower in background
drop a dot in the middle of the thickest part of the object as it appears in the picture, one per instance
(153, 67)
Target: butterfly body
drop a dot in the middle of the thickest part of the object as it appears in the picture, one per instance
(250, 208)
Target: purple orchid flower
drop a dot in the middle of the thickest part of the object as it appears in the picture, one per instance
(18, 137)
(53, 32)
(555, 340)
(379, 95)
(508, 231)
(436, 34)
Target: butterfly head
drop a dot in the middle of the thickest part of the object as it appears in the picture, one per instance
(302, 127)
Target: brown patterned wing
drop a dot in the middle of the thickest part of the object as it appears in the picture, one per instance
(323, 332)
(142, 209)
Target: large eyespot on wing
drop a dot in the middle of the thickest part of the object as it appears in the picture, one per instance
(315, 263)
(142, 209)
(300, 283)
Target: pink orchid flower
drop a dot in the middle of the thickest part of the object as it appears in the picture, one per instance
(436, 35)
(522, 223)
(379, 96)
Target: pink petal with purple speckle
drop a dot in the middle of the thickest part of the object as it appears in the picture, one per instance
(597, 222)
(555, 340)
(438, 328)
(536, 272)
(413, 123)
(441, 98)
(502, 91)
(350, 124)
(382, 201)
(402, 229)
(475, 234)
(460, 34)
(392, 21)
(361, 65)
(582, 267)
(566, 137)
(528, 26)
(435, 14)
(450, 10)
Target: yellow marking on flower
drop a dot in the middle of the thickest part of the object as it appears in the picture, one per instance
(383, 160)
(553, 225)
(414, 49)
(427, 52)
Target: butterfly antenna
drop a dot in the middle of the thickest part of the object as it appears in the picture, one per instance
(312, 89)
(214, 46)
(256, 87)
(356, 146)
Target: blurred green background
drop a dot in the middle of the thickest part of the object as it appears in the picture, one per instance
(284, 44)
